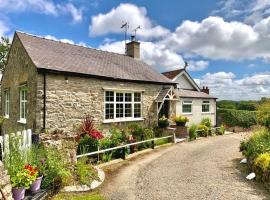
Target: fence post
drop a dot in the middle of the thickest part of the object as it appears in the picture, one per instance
(123, 153)
(153, 144)
(1, 155)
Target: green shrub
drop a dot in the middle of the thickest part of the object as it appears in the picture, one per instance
(192, 132)
(257, 144)
(240, 118)
(207, 122)
(263, 114)
(85, 172)
(136, 131)
(56, 173)
(87, 144)
(221, 130)
(261, 167)
(203, 130)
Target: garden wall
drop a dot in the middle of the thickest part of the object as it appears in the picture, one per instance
(4, 183)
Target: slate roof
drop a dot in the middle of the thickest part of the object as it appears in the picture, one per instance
(193, 94)
(172, 74)
(62, 57)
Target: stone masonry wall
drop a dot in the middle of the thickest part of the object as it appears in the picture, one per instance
(19, 70)
(67, 102)
(5, 184)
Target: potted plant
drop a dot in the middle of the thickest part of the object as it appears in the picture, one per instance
(20, 181)
(163, 122)
(180, 120)
(37, 176)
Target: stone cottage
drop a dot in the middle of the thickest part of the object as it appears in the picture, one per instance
(194, 102)
(49, 84)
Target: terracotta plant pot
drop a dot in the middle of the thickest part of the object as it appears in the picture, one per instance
(18, 193)
(180, 123)
(36, 184)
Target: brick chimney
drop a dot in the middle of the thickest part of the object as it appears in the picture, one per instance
(133, 48)
(205, 89)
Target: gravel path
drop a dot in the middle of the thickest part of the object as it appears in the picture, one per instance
(203, 169)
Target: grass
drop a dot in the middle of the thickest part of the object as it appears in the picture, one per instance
(78, 196)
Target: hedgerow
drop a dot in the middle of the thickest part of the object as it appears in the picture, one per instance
(240, 118)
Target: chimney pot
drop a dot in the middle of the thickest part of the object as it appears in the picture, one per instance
(205, 89)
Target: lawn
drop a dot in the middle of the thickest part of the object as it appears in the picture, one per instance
(78, 196)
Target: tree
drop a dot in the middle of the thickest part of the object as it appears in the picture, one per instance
(4, 49)
(263, 115)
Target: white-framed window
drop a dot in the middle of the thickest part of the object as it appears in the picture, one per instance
(122, 106)
(187, 107)
(23, 104)
(206, 106)
(6, 103)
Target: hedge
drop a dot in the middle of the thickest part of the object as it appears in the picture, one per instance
(242, 118)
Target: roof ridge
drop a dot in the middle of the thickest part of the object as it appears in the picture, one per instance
(76, 45)
(173, 70)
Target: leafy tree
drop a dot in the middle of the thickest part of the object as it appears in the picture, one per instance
(246, 105)
(4, 49)
(264, 113)
(226, 104)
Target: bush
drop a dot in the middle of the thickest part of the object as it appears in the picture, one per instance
(192, 132)
(257, 144)
(180, 119)
(263, 114)
(262, 166)
(207, 122)
(203, 130)
(221, 130)
(240, 118)
(85, 172)
(87, 144)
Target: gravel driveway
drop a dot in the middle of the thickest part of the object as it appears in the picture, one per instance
(203, 169)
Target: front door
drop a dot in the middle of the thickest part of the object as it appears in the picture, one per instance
(165, 110)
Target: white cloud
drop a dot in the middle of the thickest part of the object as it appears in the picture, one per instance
(3, 28)
(215, 38)
(48, 7)
(224, 85)
(153, 54)
(197, 65)
(111, 22)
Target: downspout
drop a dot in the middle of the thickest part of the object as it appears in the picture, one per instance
(44, 101)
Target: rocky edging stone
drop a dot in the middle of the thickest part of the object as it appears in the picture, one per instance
(84, 188)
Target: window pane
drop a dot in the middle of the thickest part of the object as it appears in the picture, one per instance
(128, 97)
(206, 102)
(109, 111)
(205, 108)
(109, 96)
(119, 110)
(137, 110)
(137, 97)
(186, 108)
(119, 97)
(128, 112)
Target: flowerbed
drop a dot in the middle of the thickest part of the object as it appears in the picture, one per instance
(257, 151)
(204, 129)
(115, 136)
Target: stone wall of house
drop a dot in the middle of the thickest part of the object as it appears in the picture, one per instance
(20, 70)
(69, 99)
(4, 184)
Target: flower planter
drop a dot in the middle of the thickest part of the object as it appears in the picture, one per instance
(18, 193)
(36, 184)
(163, 125)
(180, 123)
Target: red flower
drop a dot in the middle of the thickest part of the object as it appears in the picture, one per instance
(96, 134)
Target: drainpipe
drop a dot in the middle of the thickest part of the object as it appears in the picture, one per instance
(44, 101)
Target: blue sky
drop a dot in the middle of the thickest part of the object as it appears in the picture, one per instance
(225, 42)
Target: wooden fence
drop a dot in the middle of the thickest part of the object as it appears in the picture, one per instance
(24, 137)
(127, 145)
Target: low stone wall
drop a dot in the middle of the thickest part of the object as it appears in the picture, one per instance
(5, 185)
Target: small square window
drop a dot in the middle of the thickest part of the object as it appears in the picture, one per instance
(137, 97)
(119, 97)
(109, 96)
(137, 110)
(128, 97)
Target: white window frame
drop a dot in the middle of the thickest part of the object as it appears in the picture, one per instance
(187, 102)
(23, 102)
(206, 102)
(6, 103)
(114, 102)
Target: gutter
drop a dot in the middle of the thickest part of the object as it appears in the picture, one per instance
(44, 101)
